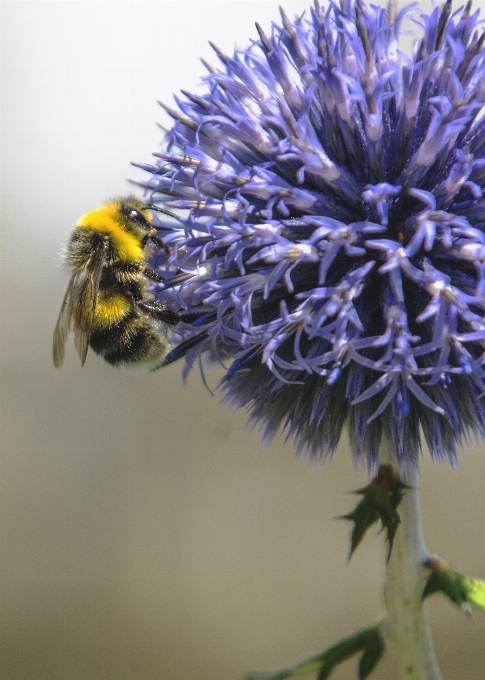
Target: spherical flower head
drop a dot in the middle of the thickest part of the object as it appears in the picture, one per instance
(329, 229)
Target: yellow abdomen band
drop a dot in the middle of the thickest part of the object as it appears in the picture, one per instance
(110, 310)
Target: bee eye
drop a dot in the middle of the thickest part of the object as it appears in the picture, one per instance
(134, 215)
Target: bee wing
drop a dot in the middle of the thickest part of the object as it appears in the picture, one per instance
(85, 296)
(63, 325)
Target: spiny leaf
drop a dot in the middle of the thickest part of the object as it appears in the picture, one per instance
(368, 640)
(371, 656)
(460, 589)
(381, 499)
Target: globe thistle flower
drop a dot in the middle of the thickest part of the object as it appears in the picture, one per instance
(329, 228)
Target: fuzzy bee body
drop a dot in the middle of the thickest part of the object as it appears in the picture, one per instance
(107, 304)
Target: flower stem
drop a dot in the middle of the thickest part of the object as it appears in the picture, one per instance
(407, 627)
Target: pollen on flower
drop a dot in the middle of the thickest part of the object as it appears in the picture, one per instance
(329, 231)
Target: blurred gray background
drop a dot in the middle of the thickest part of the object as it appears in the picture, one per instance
(145, 534)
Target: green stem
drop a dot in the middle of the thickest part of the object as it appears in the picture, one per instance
(407, 627)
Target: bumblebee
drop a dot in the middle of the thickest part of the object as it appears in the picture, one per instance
(107, 303)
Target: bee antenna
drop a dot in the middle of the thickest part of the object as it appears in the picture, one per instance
(156, 208)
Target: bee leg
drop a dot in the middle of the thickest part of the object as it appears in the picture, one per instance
(163, 312)
(160, 311)
(177, 277)
(152, 274)
(134, 268)
(159, 243)
(127, 267)
(152, 236)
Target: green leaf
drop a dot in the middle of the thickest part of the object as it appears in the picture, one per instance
(371, 656)
(381, 499)
(368, 640)
(460, 589)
